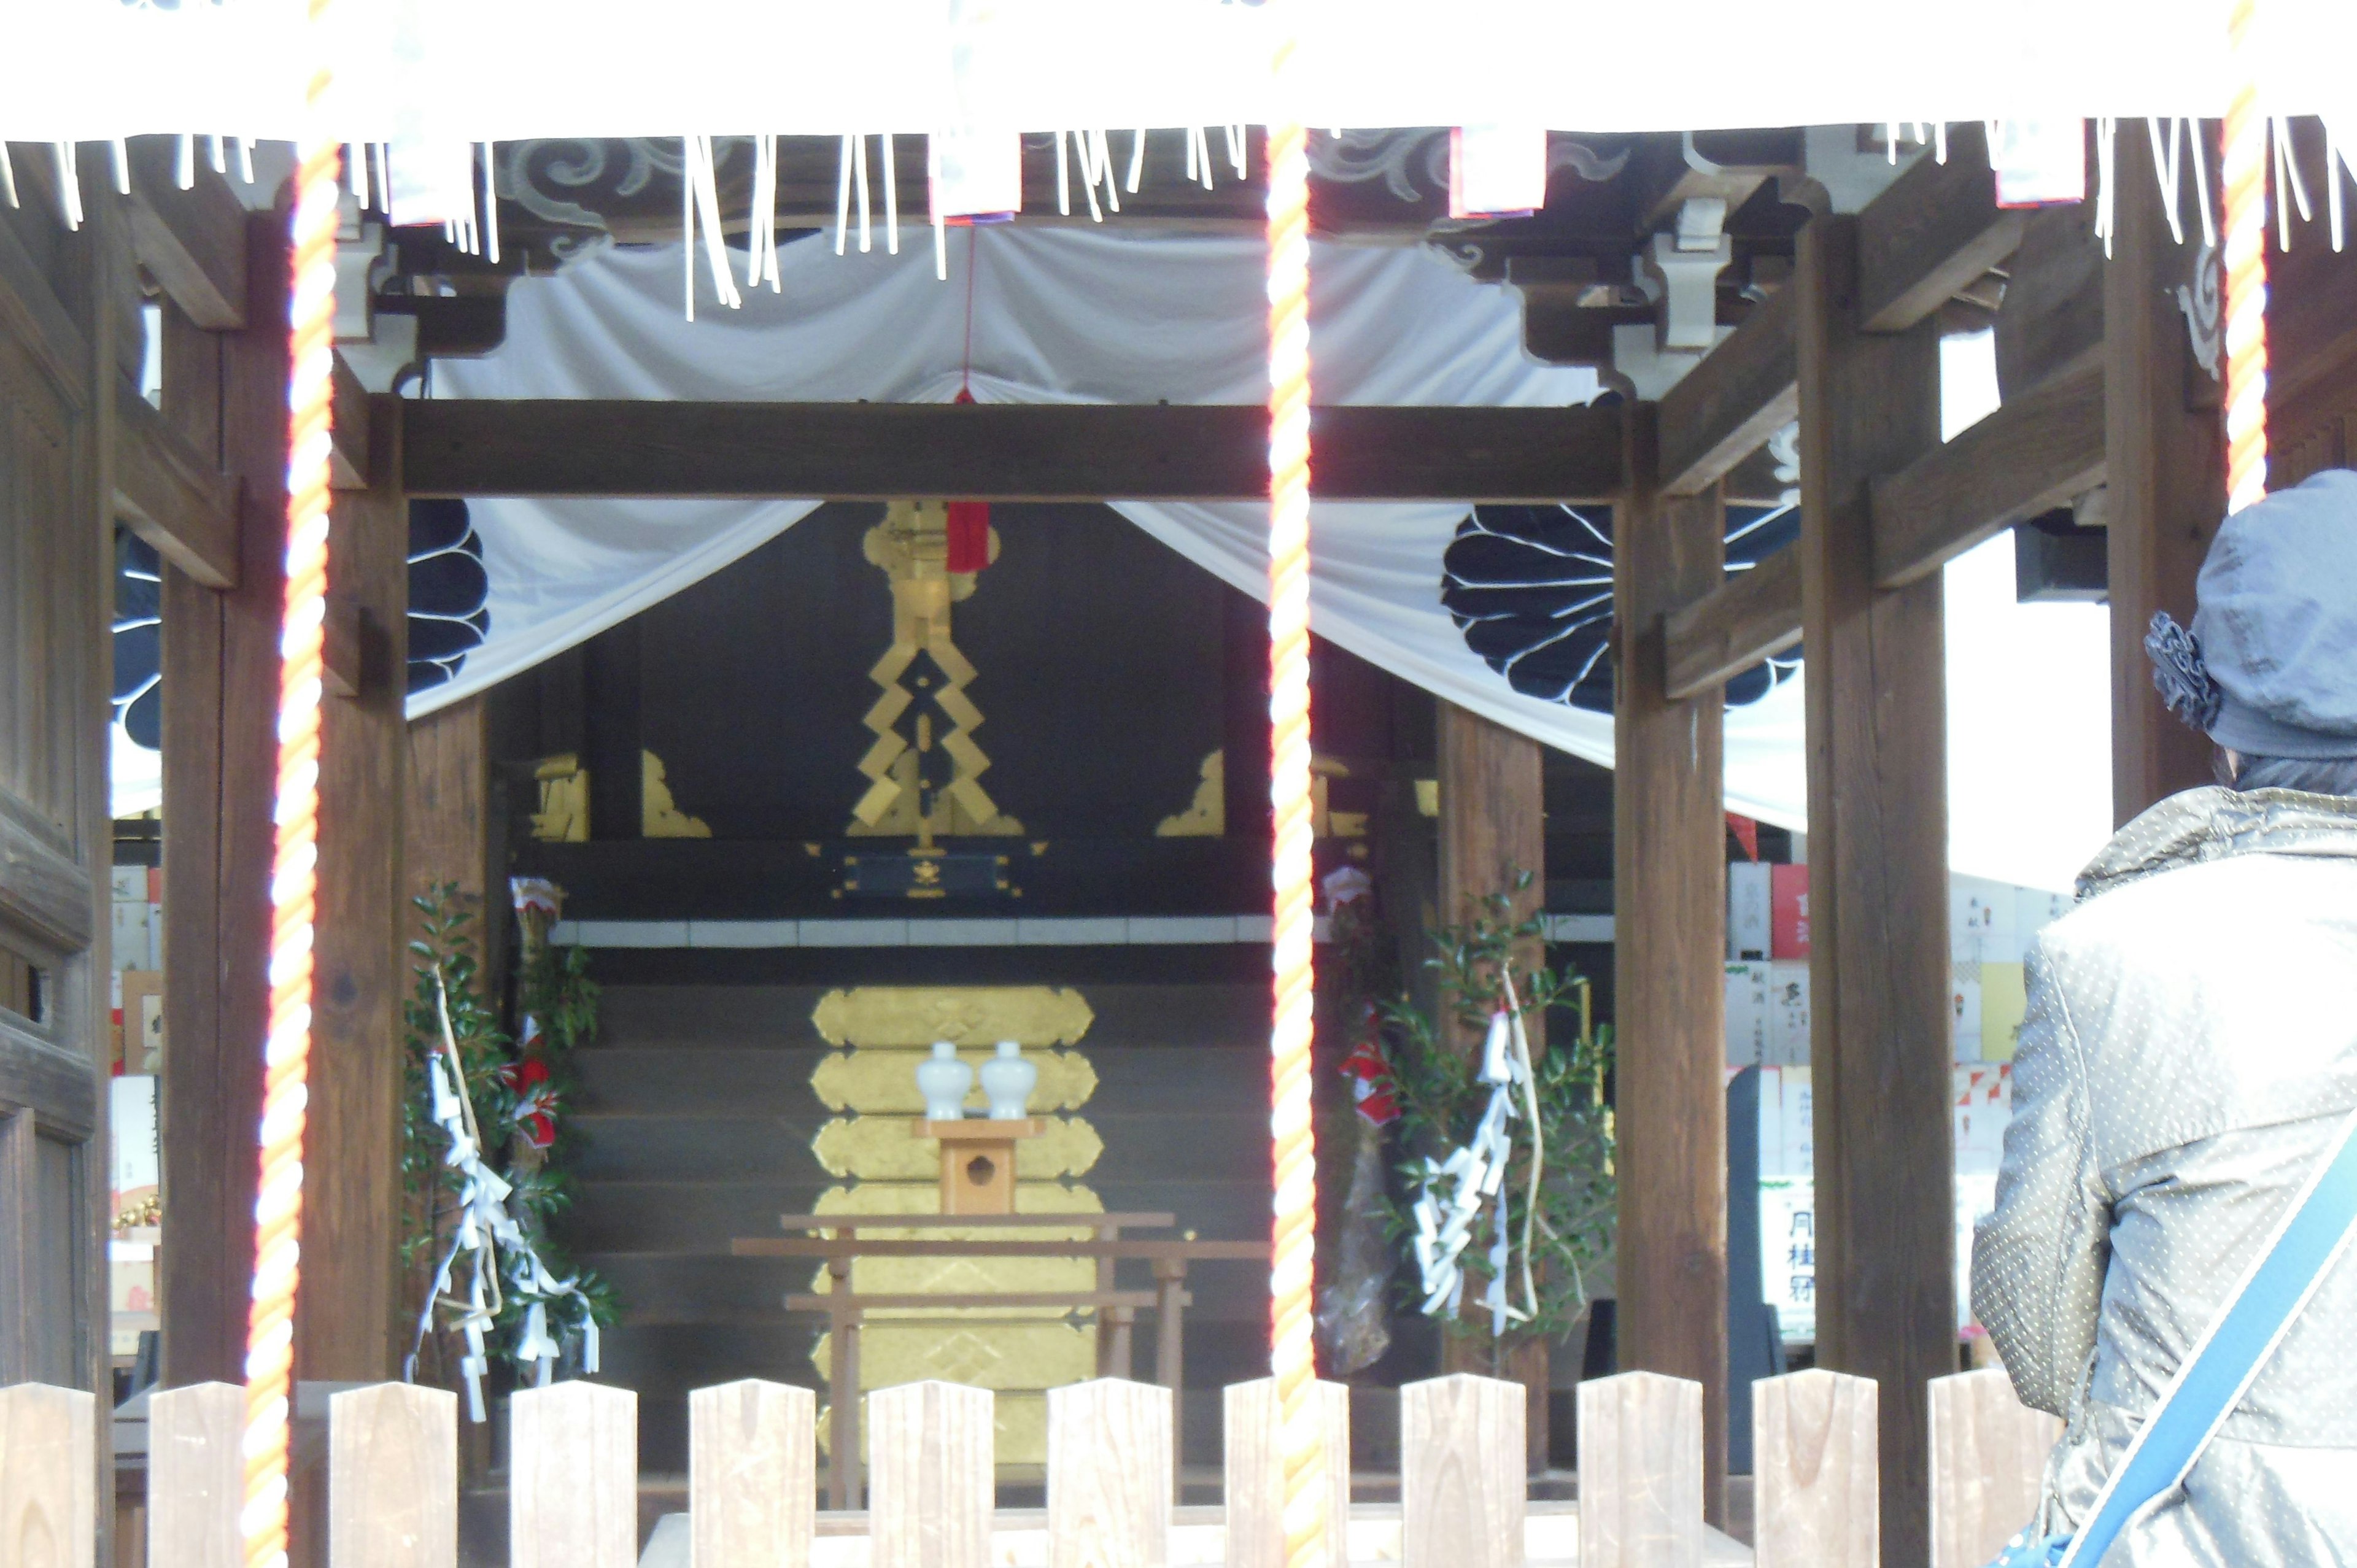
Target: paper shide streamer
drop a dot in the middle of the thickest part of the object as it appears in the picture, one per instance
(497, 1253)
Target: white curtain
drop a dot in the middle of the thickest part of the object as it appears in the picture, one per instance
(1081, 315)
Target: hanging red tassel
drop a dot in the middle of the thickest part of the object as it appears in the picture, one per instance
(969, 524)
(969, 535)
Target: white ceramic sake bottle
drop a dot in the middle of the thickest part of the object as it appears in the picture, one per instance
(1007, 1081)
(943, 1081)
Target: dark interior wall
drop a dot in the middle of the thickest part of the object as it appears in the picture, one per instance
(1099, 664)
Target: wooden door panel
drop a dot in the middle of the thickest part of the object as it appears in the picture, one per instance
(53, 838)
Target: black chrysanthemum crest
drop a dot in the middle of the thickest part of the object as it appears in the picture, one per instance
(448, 613)
(138, 643)
(1531, 591)
(448, 591)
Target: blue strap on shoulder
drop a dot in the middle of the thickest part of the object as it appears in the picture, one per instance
(2229, 1357)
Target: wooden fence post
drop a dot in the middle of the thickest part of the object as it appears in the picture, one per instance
(751, 1475)
(1109, 1485)
(931, 1485)
(1462, 1472)
(1814, 1467)
(196, 1479)
(1988, 1464)
(393, 1478)
(573, 1477)
(1254, 1487)
(49, 1477)
(1640, 1472)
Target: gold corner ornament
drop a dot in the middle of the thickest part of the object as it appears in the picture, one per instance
(924, 770)
(659, 816)
(1206, 816)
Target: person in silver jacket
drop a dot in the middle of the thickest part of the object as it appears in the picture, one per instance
(2191, 1046)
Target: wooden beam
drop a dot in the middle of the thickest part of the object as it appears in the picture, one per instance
(1669, 853)
(2031, 455)
(351, 1225)
(855, 451)
(1879, 966)
(2166, 462)
(220, 724)
(1742, 393)
(1936, 230)
(191, 242)
(31, 313)
(171, 495)
(1735, 625)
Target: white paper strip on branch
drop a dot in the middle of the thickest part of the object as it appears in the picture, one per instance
(2041, 161)
(976, 174)
(1497, 171)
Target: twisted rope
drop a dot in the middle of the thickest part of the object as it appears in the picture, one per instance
(2244, 173)
(293, 885)
(1292, 1348)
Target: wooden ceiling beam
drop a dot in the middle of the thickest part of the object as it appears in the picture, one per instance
(2030, 456)
(858, 451)
(1744, 391)
(1735, 625)
(170, 496)
(191, 242)
(1931, 235)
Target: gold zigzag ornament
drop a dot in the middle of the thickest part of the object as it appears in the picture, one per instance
(924, 769)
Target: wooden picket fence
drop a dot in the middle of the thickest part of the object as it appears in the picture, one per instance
(572, 1478)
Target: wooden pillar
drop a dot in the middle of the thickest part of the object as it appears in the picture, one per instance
(221, 749)
(2165, 452)
(1669, 852)
(351, 1218)
(446, 806)
(1492, 830)
(1492, 821)
(1878, 880)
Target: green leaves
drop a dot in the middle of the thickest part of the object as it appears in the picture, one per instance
(555, 988)
(1477, 965)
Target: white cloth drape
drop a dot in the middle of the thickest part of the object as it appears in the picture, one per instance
(1073, 314)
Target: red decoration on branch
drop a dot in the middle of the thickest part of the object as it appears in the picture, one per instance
(535, 1111)
(1370, 1083)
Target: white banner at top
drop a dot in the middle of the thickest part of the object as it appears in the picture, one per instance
(476, 71)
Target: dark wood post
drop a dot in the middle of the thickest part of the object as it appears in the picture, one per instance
(2165, 453)
(1879, 879)
(1492, 829)
(352, 1219)
(221, 696)
(1669, 852)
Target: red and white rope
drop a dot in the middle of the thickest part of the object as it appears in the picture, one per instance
(2244, 174)
(293, 885)
(1292, 1346)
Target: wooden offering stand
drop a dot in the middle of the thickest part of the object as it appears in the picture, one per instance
(978, 1161)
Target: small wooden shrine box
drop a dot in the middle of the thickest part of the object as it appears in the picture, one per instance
(978, 1161)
